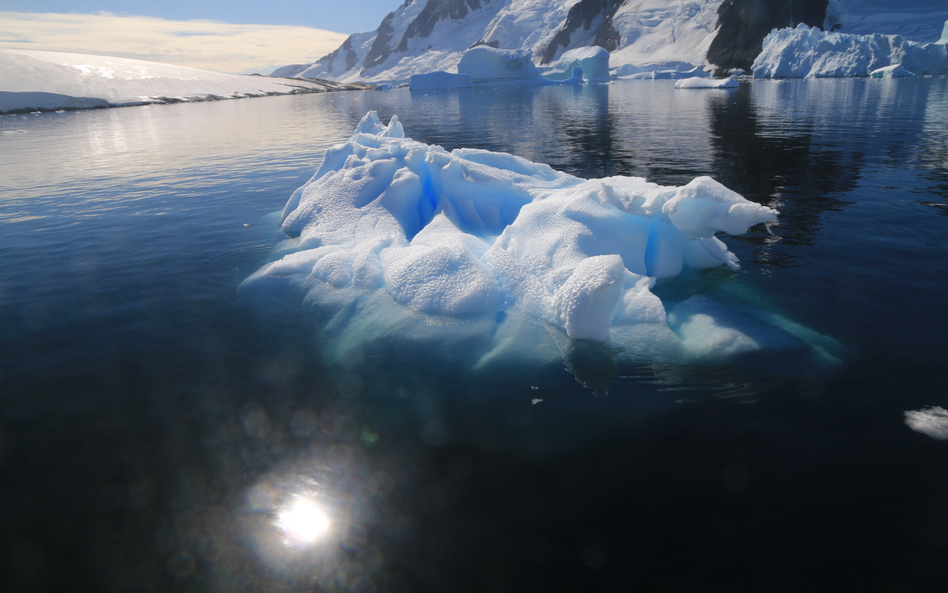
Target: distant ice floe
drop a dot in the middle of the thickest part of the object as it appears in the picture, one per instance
(808, 52)
(707, 83)
(406, 250)
(931, 421)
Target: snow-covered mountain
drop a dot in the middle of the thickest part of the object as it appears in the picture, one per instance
(427, 35)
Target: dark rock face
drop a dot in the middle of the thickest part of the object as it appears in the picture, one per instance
(346, 50)
(743, 24)
(380, 50)
(584, 16)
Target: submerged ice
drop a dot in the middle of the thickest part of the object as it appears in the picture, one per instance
(491, 259)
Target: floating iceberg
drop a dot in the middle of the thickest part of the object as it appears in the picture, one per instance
(707, 83)
(486, 64)
(439, 80)
(408, 250)
(593, 60)
(805, 52)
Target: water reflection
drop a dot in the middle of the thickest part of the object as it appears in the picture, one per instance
(157, 436)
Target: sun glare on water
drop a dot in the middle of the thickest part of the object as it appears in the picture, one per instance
(303, 522)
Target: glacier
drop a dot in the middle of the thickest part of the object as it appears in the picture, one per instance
(409, 252)
(806, 52)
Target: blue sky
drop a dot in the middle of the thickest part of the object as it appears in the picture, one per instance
(233, 36)
(333, 15)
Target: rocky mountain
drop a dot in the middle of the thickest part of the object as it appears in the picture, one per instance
(428, 35)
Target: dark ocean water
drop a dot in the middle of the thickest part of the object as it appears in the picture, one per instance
(153, 422)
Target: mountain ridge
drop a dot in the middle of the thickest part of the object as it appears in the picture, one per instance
(718, 35)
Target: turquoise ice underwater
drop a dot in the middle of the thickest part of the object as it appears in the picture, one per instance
(489, 261)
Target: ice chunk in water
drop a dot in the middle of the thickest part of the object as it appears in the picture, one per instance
(485, 256)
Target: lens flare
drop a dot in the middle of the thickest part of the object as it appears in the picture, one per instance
(303, 522)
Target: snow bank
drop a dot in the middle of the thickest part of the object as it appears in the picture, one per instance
(707, 83)
(31, 80)
(490, 258)
(805, 52)
(489, 65)
(593, 60)
(439, 80)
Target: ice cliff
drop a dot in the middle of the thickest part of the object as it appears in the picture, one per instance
(806, 52)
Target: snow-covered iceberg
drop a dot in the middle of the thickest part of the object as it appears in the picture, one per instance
(804, 52)
(408, 251)
(31, 80)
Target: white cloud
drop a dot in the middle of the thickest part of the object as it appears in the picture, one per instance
(211, 45)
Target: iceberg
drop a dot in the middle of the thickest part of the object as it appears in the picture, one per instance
(707, 83)
(593, 60)
(806, 52)
(489, 65)
(489, 261)
(439, 80)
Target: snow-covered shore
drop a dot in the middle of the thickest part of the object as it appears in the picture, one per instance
(41, 81)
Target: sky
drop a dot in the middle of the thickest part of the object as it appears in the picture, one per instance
(233, 36)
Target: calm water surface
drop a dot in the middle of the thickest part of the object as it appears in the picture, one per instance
(154, 424)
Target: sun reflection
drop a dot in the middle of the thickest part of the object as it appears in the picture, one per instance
(302, 522)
